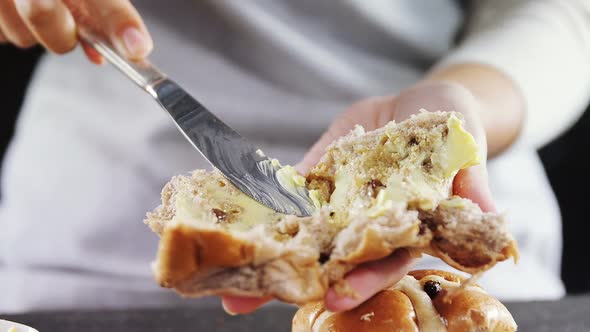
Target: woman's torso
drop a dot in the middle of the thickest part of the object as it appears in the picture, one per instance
(92, 151)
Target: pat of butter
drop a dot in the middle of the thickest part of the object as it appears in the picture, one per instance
(295, 183)
(290, 179)
(383, 203)
(400, 190)
(275, 162)
(316, 198)
(393, 191)
(461, 149)
(342, 185)
(251, 212)
(187, 210)
(420, 188)
(453, 202)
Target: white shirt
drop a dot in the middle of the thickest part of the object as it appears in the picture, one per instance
(92, 151)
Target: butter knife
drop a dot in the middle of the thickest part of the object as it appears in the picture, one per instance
(240, 162)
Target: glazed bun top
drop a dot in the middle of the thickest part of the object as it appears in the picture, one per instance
(424, 300)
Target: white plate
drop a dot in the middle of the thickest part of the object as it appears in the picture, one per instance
(6, 325)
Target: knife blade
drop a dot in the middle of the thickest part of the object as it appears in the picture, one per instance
(238, 160)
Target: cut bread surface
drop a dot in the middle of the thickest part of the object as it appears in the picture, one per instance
(375, 192)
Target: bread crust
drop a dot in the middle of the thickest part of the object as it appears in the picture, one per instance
(389, 310)
(394, 309)
(185, 251)
(203, 262)
(200, 262)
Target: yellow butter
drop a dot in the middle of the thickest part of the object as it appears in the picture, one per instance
(343, 183)
(251, 212)
(383, 203)
(187, 210)
(316, 198)
(275, 162)
(421, 188)
(454, 202)
(393, 191)
(290, 179)
(461, 148)
(460, 151)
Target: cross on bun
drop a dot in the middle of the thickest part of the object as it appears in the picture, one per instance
(424, 300)
(375, 192)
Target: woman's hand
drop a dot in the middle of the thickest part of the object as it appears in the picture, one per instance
(53, 24)
(370, 278)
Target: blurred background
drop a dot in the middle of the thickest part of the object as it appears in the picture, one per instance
(563, 160)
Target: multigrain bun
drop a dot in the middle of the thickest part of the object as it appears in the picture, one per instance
(375, 192)
(424, 300)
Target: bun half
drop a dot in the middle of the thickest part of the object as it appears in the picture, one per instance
(375, 192)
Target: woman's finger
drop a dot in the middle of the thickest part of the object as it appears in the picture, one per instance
(316, 152)
(472, 183)
(51, 23)
(2, 37)
(13, 27)
(340, 127)
(118, 21)
(234, 305)
(368, 279)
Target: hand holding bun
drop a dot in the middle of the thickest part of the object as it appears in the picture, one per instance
(375, 192)
(424, 300)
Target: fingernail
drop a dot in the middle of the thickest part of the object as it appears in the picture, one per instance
(135, 42)
(226, 309)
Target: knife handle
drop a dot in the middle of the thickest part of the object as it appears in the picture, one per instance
(141, 73)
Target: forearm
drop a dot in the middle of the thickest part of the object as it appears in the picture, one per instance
(539, 47)
(502, 111)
